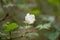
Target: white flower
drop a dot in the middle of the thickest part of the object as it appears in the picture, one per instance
(29, 18)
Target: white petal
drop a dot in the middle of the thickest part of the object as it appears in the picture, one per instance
(30, 18)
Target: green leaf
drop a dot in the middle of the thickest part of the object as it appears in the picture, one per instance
(44, 26)
(51, 35)
(11, 27)
(35, 11)
(54, 2)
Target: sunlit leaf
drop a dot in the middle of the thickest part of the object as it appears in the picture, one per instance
(35, 11)
(11, 27)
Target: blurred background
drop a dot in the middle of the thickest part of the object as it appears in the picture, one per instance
(45, 11)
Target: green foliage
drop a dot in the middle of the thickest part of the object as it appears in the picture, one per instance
(44, 26)
(35, 11)
(22, 1)
(11, 27)
(19, 1)
(54, 2)
(51, 35)
(5, 1)
(32, 34)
